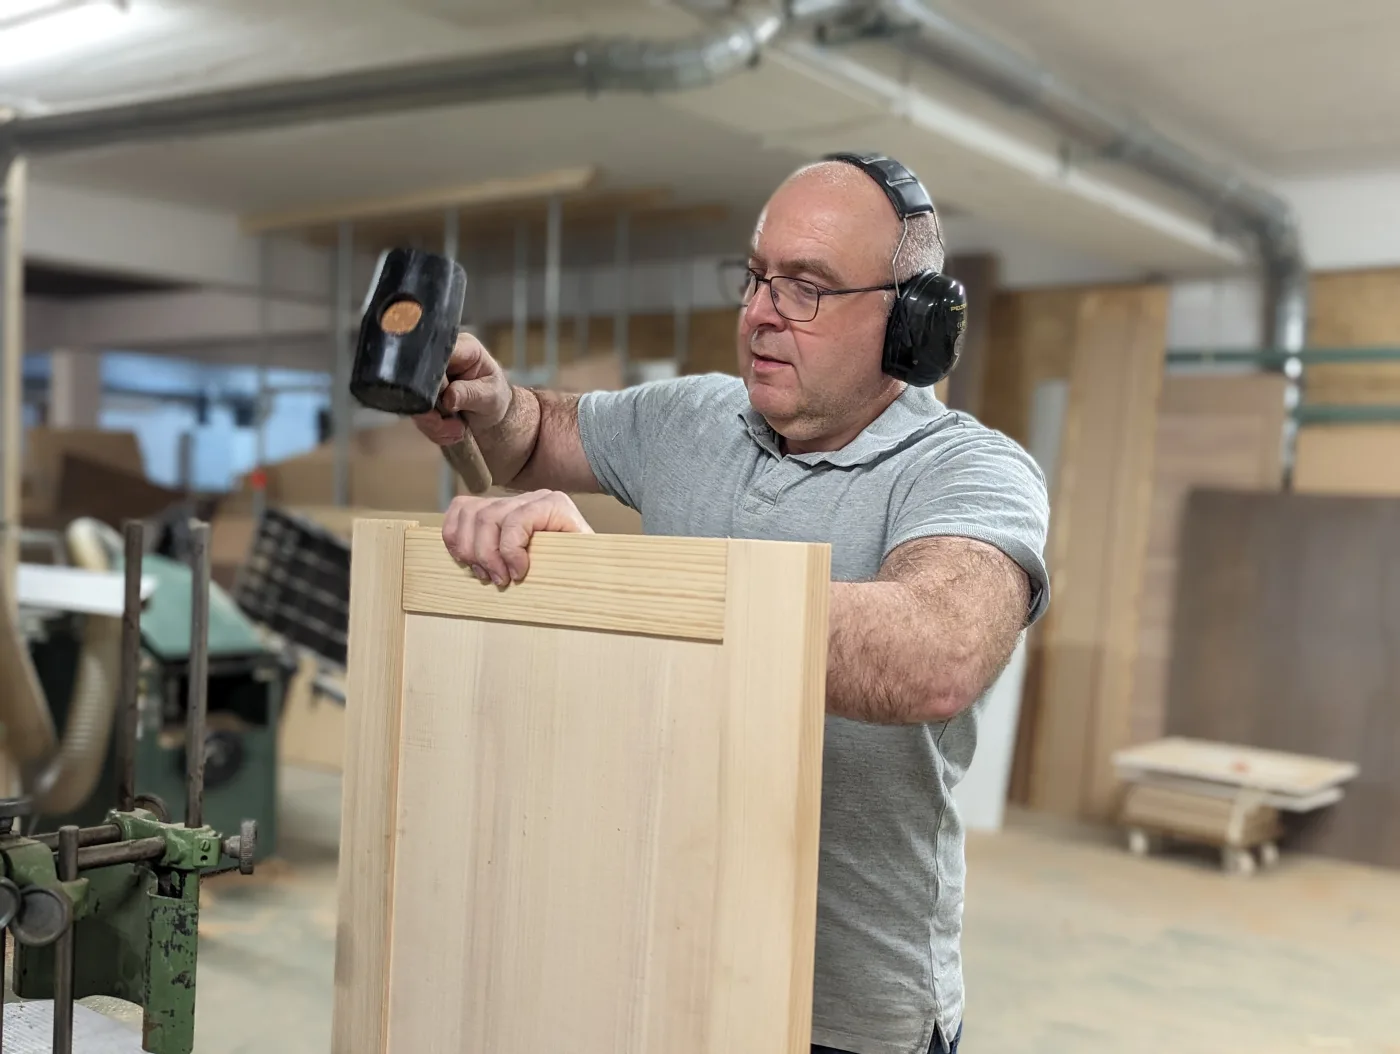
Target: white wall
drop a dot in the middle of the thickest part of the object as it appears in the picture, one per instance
(1350, 221)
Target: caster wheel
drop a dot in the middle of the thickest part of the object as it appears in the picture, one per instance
(1237, 861)
(1138, 842)
(1268, 854)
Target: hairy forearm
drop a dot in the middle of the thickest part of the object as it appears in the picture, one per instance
(924, 640)
(536, 444)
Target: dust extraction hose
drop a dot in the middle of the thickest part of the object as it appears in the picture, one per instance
(67, 773)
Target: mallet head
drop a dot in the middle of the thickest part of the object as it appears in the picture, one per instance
(407, 331)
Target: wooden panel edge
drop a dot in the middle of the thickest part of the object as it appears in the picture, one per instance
(817, 627)
(761, 618)
(374, 695)
(656, 586)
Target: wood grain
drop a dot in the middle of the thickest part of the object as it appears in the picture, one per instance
(1031, 337)
(666, 587)
(1348, 459)
(1098, 543)
(608, 841)
(1350, 309)
(369, 808)
(1288, 638)
(1211, 431)
(1272, 770)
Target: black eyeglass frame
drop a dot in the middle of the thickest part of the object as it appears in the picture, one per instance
(755, 279)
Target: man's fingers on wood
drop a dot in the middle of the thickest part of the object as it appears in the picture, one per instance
(486, 545)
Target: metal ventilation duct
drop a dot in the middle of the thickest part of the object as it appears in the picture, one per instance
(1239, 208)
(590, 66)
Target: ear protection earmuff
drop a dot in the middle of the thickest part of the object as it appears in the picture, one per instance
(924, 334)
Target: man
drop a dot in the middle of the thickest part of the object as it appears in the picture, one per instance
(937, 526)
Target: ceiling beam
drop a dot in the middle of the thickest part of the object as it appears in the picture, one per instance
(420, 205)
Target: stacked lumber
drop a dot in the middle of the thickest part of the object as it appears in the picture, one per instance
(1222, 795)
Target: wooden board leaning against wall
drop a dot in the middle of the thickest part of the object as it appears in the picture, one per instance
(1352, 309)
(1096, 681)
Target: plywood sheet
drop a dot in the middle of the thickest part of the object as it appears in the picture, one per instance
(1348, 459)
(1287, 630)
(1354, 309)
(1031, 338)
(1098, 542)
(1272, 770)
(564, 829)
(1211, 432)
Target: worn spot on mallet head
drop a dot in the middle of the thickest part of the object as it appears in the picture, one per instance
(401, 316)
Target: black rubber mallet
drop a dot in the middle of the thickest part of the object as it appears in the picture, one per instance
(407, 333)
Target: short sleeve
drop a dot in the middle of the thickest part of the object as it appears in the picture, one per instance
(984, 487)
(618, 429)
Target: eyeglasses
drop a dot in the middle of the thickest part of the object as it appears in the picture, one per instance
(796, 299)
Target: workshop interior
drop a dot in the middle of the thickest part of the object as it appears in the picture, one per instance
(237, 240)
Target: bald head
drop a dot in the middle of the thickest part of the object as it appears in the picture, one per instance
(917, 243)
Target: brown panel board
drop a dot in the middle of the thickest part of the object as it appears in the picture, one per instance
(1030, 338)
(606, 836)
(1287, 636)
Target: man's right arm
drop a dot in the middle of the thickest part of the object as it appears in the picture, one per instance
(530, 439)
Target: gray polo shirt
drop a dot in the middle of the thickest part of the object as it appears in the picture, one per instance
(694, 458)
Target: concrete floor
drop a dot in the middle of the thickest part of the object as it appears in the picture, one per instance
(1072, 946)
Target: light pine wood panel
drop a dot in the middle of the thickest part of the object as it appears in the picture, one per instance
(1354, 309)
(1348, 459)
(374, 695)
(1211, 432)
(1098, 544)
(604, 840)
(668, 587)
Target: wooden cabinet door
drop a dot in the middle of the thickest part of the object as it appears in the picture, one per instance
(581, 813)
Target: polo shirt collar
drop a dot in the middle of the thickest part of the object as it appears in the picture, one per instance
(912, 413)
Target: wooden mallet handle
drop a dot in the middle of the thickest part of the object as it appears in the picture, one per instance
(403, 316)
(465, 458)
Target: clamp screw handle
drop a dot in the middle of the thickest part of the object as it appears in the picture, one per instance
(243, 846)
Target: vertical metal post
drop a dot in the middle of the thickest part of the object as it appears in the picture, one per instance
(681, 294)
(12, 183)
(341, 410)
(582, 309)
(552, 265)
(63, 953)
(264, 342)
(520, 301)
(197, 709)
(451, 236)
(184, 463)
(128, 700)
(623, 268)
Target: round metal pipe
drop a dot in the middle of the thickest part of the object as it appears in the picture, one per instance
(588, 65)
(132, 852)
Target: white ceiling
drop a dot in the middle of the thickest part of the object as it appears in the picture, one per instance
(1279, 84)
(1289, 86)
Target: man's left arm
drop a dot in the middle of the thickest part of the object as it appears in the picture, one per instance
(964, 576)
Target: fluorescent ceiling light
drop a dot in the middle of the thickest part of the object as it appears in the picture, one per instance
(34, 30)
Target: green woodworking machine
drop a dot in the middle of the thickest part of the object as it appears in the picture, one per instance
(113, 908)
